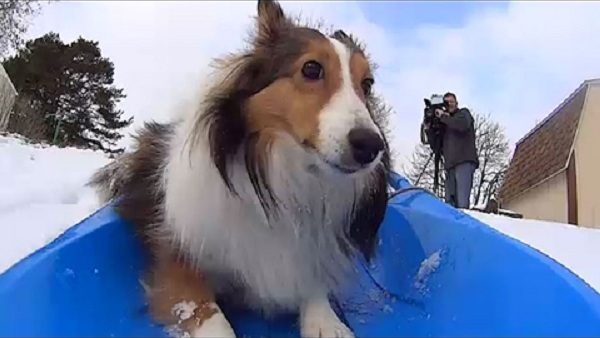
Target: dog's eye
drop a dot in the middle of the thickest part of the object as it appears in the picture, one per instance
(366, 85)
(312, 70)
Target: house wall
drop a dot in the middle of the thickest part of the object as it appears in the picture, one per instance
(587, 159)
(547, 201)
(7, 98)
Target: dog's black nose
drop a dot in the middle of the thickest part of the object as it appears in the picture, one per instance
(366, 144)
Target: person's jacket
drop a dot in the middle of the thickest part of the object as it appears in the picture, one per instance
(459, 139)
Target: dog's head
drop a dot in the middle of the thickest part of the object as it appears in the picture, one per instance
(316, 88)
(294, 80)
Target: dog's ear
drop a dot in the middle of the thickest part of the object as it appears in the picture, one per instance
(340, 35)
(272, 22)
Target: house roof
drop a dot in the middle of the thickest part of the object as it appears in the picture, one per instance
(545, 151)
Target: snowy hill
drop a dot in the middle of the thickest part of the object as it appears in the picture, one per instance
(43, 194)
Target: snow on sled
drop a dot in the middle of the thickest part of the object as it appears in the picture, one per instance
(439, 272)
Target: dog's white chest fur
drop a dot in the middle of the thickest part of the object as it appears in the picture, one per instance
(281, 263)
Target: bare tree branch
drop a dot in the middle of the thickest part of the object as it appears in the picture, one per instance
(420, 171)
(14, 22)
(493, 149)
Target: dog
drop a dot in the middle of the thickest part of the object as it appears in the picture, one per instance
(268, 190)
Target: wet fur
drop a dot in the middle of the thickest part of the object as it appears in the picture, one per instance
(269, 228)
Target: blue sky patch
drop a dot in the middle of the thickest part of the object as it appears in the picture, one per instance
(405, 15)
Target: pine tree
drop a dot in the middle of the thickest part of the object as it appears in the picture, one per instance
(71, 85)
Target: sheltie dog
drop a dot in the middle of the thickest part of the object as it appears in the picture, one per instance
(268, 190)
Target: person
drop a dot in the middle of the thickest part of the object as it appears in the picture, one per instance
(458, 151)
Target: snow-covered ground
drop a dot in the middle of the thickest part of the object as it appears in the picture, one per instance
(43, 194)
(577, 248)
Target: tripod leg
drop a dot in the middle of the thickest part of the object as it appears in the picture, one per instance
(423, 171)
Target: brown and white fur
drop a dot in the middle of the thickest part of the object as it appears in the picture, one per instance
(260, 191)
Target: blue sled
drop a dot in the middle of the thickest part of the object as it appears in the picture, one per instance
(478, 282)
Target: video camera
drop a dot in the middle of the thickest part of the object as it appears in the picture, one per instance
(435, 102)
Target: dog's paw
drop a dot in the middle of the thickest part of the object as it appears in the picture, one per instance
(319, 320)
(215, 326)
(333, 328)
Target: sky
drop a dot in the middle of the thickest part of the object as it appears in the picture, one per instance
(514, 60)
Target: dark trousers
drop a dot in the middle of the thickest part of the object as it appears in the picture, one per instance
(458, 184)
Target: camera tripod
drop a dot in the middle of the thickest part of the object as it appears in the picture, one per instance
(436, 155)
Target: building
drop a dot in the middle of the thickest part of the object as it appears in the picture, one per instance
(8, 93)
(554, 174)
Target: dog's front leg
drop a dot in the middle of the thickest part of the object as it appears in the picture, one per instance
(181, 298)
(317, 319)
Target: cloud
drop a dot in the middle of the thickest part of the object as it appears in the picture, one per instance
(160, 49)
(516, 63)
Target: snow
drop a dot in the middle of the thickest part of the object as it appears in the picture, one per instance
(43, 194)
(427, 267)
(576, 248)
(184, 310)
(507, 211)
